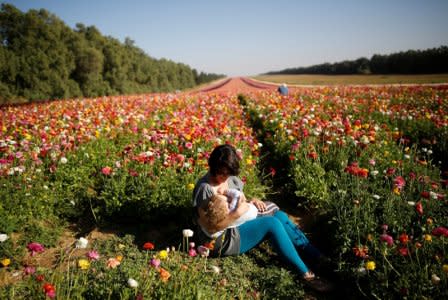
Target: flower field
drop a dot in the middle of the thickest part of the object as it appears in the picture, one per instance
(368, 161)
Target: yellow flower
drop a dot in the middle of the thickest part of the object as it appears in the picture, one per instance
(5, 262)
(396, 191)
(428, 238)
(83, 264)
(370, 265)
(121, 246)
(445, 268)
(119, 257)
(190, 186)
(163, 254)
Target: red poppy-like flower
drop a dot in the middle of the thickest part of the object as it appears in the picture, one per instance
(148, 246)
(419, 208)
(390, 171)
(272, 171)
(49, 290)
(439, 231)
(425, 194)
(404, 238)
(403, 251)
(40, 277)
(312, 155)
(106, 171)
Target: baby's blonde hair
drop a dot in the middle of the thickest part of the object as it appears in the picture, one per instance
(217, 209)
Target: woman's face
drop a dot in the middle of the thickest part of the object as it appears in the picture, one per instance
(221, 176)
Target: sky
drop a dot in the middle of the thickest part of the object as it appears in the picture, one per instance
(250, 37)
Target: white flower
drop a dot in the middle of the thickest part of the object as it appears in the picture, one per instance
(215, 269)
(361, 270)
(433, 195)
(429, 152)
(411, 203)
(435, 279)
(376, 197)
(407, 156)
(374, 172)
(64, 160)
(82, 243)
(3, 237)
(132, 283)
(187, 233)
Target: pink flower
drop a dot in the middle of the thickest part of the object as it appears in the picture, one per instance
(188, 145)
(203, 251)
(106, 171)
(387, 239)
(399, 182)
(155, 262)
(29, 270)
(35, 248)
(192, 252)
(93, 255)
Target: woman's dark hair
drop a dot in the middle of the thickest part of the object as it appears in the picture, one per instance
(224, 160)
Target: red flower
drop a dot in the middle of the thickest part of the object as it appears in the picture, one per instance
(439, 231)
(272, 171)
(425, 194)
(312, 155)
(419, 208)
(148, 246)
(106, 171)
(403, 238)
(403, 251)
(49, 290)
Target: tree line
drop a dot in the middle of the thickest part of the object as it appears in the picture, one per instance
(42, 58)
(429, 61)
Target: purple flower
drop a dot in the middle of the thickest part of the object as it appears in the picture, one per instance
(35, 248)
(387, 239)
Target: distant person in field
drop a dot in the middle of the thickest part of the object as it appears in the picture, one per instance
(283, 89)
(224, 239)
(224, 202)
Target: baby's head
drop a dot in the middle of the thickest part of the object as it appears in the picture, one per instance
(217, 208)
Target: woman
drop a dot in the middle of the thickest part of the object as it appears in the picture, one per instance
(284, 235)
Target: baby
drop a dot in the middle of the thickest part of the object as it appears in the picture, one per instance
(224, 202)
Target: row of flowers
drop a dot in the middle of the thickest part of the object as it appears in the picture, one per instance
(350, 161)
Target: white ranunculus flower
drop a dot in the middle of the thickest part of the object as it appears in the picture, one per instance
(132, 283)
(435, 279)
(3, 237)
(187, 233)
(64, 160)
(82, 243)
(215, 269)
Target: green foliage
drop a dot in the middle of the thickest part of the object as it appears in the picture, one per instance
(41, 58)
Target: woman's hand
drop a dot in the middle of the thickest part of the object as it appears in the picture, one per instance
(260, 205)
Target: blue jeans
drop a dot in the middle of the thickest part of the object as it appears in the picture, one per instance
(283, 234)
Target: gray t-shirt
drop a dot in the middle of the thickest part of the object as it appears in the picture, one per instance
(229, 242)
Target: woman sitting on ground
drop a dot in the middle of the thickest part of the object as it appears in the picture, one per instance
(225, 239)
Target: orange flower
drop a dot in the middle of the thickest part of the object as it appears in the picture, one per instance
(361, 251)
(164, 274)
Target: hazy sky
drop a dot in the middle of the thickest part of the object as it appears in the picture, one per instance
(248, 37)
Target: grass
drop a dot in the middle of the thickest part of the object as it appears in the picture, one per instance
(354, 79)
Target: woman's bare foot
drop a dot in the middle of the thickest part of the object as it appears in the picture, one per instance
(317, 283)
